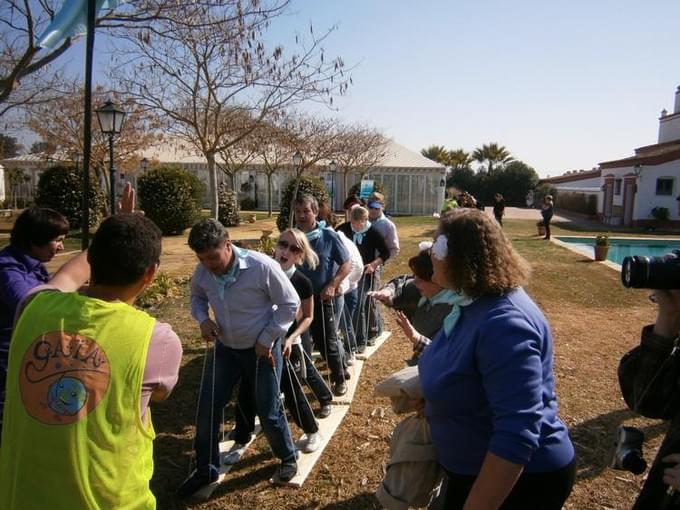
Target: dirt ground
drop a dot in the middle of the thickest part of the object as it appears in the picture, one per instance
(591, 333)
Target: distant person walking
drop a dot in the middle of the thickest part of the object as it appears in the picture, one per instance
(530, 199)
(499, 208)
(547, 213)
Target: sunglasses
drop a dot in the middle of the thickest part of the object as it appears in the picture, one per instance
(284, 245)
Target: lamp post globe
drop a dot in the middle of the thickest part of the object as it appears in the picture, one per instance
(111, 120)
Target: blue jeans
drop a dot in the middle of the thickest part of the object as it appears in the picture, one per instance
(324, 333)
(230, 365)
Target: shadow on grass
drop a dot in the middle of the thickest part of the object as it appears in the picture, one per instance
(594, 441)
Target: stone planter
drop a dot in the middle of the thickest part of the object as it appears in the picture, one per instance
(601, 251)
(252, 218)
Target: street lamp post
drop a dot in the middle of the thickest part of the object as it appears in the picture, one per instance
(76, 157)
(333, 167)
(111, 120)
(297, 164)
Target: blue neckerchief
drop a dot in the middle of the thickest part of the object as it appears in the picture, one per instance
(322, 223)
(314, 234)
(451, 319)
(358, 236)
(446, 296)
(290, 271)
(225, 280)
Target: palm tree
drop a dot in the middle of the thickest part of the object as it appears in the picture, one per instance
(436, 153)
(493, 154)
(459, 159)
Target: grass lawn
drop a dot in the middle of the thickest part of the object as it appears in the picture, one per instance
(594, 319)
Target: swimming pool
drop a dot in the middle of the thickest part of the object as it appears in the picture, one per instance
(622, 247)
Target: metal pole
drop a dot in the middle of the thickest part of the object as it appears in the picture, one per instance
(333, 191)
(87, 125)
(112, 176)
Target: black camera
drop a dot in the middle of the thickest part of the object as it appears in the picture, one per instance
(628, 450)
(642, 272)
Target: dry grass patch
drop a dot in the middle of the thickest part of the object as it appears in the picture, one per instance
(594, 320)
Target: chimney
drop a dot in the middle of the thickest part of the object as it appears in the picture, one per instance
(676, 107)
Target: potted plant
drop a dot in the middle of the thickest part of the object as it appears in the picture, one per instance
(601, 247)
(541, 228)
(661, 215)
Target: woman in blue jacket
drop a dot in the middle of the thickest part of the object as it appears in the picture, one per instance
(488, 377)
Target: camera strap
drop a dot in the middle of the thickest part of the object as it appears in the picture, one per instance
(671, 359)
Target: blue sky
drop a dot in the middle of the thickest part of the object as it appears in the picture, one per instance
(562, 85)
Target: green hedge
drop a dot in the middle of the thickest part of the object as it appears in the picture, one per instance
(584, 203)
(61, 188)
(171, 197)
(309, 185)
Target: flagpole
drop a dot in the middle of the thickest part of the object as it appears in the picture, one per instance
(87, 124)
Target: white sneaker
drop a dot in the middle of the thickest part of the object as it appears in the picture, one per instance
(312, 443)
(235, 454)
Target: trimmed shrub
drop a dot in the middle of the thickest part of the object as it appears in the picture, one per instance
(171, 197)
(309, 185)
(61, 188)
(228, 214)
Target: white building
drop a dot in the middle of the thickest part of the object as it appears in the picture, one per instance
(414, 184)
(633, 186)
(628, 189)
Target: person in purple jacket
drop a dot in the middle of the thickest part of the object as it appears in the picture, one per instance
(488, 380)
(37, 236)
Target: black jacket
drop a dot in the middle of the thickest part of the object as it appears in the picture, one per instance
(649, 377)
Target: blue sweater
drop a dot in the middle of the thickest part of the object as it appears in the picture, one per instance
(489, 386)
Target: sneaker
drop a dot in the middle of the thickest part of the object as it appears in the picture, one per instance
(239, 436)
(339, 388)
(312, 443)
(361, 348)
(235, 454)
(197, 481)
(349, 361)
(287, 471)
(324, 412)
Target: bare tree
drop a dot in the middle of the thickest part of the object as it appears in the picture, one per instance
(216, 84)
(276, 152)
(27, 72)
(315, 139)
(237, 156)
(64, 131)
(358, 148)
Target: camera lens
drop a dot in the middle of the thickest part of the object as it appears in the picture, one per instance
(640, 272)
(635, 272)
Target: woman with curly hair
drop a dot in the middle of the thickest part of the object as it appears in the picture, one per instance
(488, 377)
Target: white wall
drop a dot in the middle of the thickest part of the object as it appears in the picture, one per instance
(647, 198)
(669, 128)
